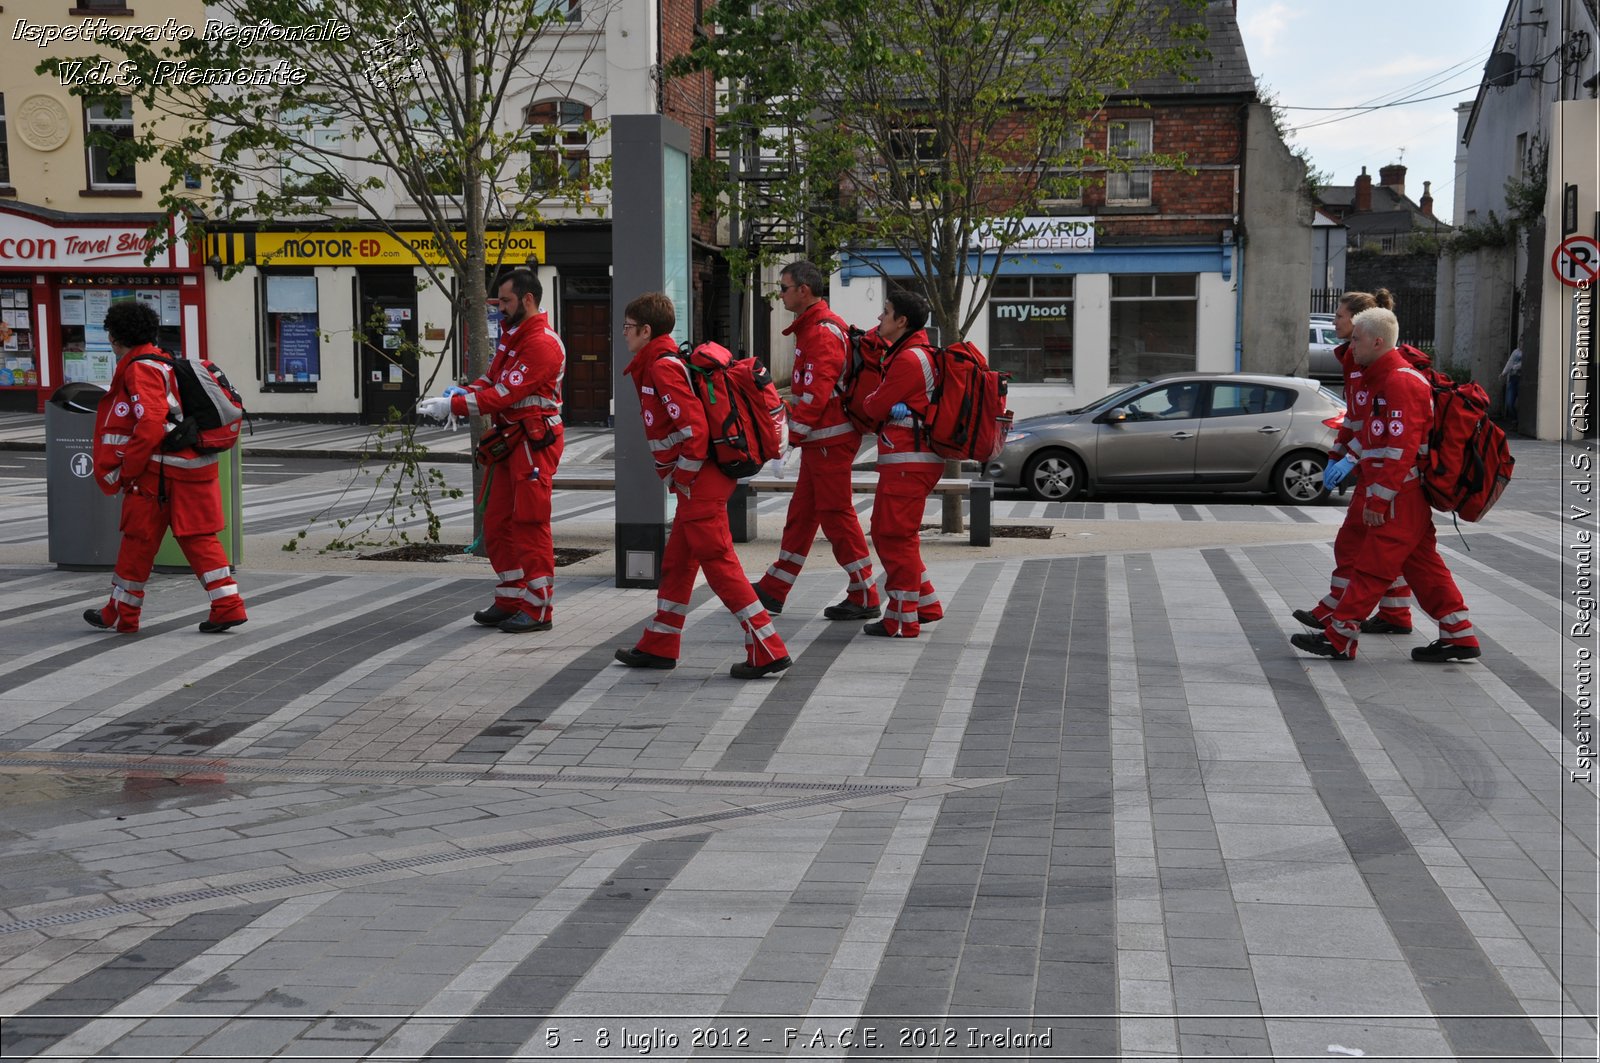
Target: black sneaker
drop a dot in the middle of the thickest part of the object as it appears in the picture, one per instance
(93, 618)
(848, 610)
(520, 623)
(1319, 645)
(216, 627)
(1441, 652)
(493, 616)
(742, 670)
(879, 631)
(1377, 625)
(768, 602)
(1306, 617)
(636, 658)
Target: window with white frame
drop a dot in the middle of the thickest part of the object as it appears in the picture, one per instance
(560, 152)
(105, 124)
(918, 153)
(301, 175)
(1153, 325)
(1129, 140)
(1061, 179)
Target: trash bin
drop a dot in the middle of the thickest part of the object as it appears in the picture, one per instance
(170, 557)
(83, 523)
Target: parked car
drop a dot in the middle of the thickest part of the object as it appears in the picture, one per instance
(1324, 366)
(1183, 431)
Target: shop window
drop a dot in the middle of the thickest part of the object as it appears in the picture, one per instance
(564, 10)
(1129, 140)
(1030, 328)
(100, 7)
(108, 123)
(86, 349)
(291, 338)
(19, 350)
(1153, 325)
(560, 154)
(5, 151)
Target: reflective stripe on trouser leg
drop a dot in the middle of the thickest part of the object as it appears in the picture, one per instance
(761, 642)
(1395, 605)
(125, 604)
(929, 608)
(508, 592)
(1346, 548)
(1330, 601)
(896, 522)
(1457, 628)
(861, 590)
(828, 471)
(144, 522)
(540, 596)
(210, 564)
(799, 531)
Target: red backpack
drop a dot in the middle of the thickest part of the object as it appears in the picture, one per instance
(863, 372)
(1468, 462)
(967, 419)
(211, 406)
(744, 412)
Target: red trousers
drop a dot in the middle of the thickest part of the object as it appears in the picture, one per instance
(193, 510)
(516, 529)
(896, 526)
(822, 499)
(700, 539)
(1395, 605)
(1404, 545)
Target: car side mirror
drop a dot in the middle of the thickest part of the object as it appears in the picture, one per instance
(1115, 416)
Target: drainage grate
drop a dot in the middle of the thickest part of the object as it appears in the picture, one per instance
(435, 775)
(407, 863)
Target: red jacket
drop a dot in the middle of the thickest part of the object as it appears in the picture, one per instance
(674, 420)
(524, 378)
(821, 353)
(907, 378)
(1396, 429)
(131, 423)
(1358, 397)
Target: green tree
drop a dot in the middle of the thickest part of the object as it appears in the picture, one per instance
(250, 121)
(925, 126)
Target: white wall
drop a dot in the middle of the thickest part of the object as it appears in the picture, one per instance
(1574, 147)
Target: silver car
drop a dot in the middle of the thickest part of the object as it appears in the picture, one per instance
(1183, 431)
(1323, 365)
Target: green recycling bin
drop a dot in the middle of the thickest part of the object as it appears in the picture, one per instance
(170, 557)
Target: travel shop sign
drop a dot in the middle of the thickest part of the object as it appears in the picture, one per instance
(355, 247)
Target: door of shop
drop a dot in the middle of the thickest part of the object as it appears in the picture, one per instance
(387, 343)
(586, 330)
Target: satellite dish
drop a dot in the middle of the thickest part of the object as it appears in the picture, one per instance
(1501, 70)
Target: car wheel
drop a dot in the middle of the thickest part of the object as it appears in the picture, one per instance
(1053, 476)
(1297, 480)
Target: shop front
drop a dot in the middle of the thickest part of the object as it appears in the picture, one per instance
(60, 272)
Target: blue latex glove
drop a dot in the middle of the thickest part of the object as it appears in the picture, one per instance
(899, 410)
(1337, 471)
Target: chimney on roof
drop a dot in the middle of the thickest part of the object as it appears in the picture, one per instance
(1363, 201)
(1427, 198)
(1393, 177)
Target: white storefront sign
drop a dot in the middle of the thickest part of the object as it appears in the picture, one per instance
(1039, 235)
(28, 244)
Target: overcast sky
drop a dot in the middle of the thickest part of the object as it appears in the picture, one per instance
(1392, 50)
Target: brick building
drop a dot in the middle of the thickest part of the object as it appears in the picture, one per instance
(1171, 269)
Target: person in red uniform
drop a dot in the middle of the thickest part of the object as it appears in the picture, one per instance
(1399, 525)
(827, 442)
(521, 392)
(675, 428)
(1394, 608)
(907, 470)
(160, 488)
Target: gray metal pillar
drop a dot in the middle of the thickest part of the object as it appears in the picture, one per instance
(650, 252)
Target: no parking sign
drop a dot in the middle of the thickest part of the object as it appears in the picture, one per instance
(1576, 261)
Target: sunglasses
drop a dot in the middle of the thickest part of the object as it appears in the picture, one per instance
(786, 287)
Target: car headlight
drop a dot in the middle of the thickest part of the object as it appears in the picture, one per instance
(1017, 437)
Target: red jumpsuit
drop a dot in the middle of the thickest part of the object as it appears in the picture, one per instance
(176, 489)
(523, 384)
(1395, 605)
(907, 473)
(828, 443)
(675, 428)
(1395, 430)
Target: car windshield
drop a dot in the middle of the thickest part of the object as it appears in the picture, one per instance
(1113, 398)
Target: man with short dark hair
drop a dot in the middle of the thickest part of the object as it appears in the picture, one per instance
(827, 441)
(160, 488)
(521, 393)
(677, 433)
(1399, 538)
(907, 471)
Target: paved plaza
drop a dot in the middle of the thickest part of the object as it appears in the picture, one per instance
(1100, 810)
